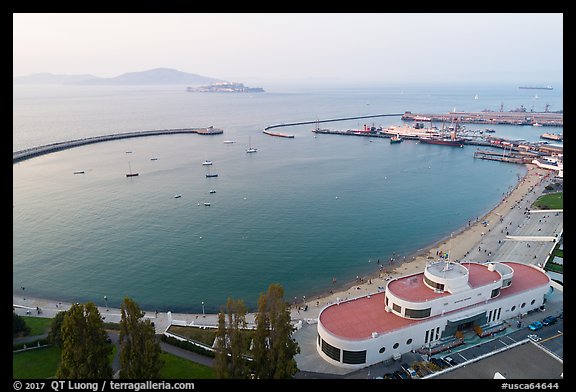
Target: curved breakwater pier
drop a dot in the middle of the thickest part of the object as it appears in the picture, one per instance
(22, 155)
(330, 120)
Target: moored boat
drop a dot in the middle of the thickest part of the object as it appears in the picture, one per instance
(396, 139)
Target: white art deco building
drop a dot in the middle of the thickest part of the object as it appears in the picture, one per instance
(422, 309)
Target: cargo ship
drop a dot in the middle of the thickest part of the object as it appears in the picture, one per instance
(536, 87)
(278, 134)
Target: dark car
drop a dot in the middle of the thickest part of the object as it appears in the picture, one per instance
(442, 364)
(400, 375)
(549, 320)
(450, 360)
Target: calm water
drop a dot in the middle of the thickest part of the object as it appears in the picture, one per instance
(298, 212)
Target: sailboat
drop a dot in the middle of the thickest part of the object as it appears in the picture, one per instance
(130, 173)
(250, 148)
(208, 175)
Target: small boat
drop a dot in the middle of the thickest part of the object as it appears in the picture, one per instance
(250, 148)
(207, 204)
(154, 159)
(130, 173)
(212, 191)
(396, 139)
(229, 141)
(79, 172)
(128, 152)
(207, 163)
(177, 196)
(208, 175)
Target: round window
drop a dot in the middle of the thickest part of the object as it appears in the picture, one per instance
(381, 351)
(409, 341)
(395, 345)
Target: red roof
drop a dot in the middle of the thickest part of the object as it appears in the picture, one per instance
(357, 319)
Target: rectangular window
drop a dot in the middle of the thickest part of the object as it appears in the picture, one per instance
(397, 308)
(426, 338)
(490, 316)
(498, 317)
(417, 313)
(495, 292)
(354, 357)
(331, 351)
(437, 333)
(386, 301)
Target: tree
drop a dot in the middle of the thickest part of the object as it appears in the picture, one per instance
(230, 360)
(139, 348)
(55, 334)
(85, 352)
(19, 326)
(274, 349)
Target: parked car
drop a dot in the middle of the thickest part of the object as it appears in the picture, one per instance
(400, 375)
(549, 320)
(442, 364)
(450, 360)
(409, 371)
(536, 325)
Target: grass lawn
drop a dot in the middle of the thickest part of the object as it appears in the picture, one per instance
(551, 201)
(41, 363)
(38, 325)
(180, 368)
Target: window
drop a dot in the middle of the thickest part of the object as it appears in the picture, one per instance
(426, 337)
(331, 351)
(397, 308)
(523, 305)
(431, 283)
(532, 302)
(395, 346)
(513, 308)
(354, 357)
(417, 313)
(409, 341)
(495, 292)
(381, 351)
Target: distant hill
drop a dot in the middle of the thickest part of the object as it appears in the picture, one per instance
(49, 78)
(158, 76)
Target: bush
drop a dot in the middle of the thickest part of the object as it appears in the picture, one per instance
(20, 346)
(187, 346)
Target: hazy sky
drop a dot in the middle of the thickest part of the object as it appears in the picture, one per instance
(296, 46)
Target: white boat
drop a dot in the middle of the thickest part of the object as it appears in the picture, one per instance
(207, 163)
(229, 141)
(207, 204)
(212, 191)
(130, 173)
(177, 196)
(250, 148)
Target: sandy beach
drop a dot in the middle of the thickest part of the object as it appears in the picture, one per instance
(464, 244)
(459, 245)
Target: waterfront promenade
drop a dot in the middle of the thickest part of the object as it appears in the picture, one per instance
(510, 232)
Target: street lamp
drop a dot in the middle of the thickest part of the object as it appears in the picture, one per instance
(203, 314)
(106, 301)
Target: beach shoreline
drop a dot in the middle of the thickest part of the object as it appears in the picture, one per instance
(458, 244)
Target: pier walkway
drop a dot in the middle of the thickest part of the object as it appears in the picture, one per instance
(28, 153)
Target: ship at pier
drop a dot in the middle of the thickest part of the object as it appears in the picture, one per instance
(452, 140)
(548, 87)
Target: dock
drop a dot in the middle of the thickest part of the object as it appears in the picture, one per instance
(553, 119)
(28, 153)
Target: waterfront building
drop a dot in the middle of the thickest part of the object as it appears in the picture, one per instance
(428, 311)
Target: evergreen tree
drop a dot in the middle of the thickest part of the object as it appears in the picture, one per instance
(55, 334)
(85, 353)
(221, 357)
(139, 348)
(19, 326)
(274, 349)
(230, 361)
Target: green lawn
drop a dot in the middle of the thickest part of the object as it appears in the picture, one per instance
(551, 201)
(179, 368)
(41, 363)
(38, 325)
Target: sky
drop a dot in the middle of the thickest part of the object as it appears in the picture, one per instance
(286, 47)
